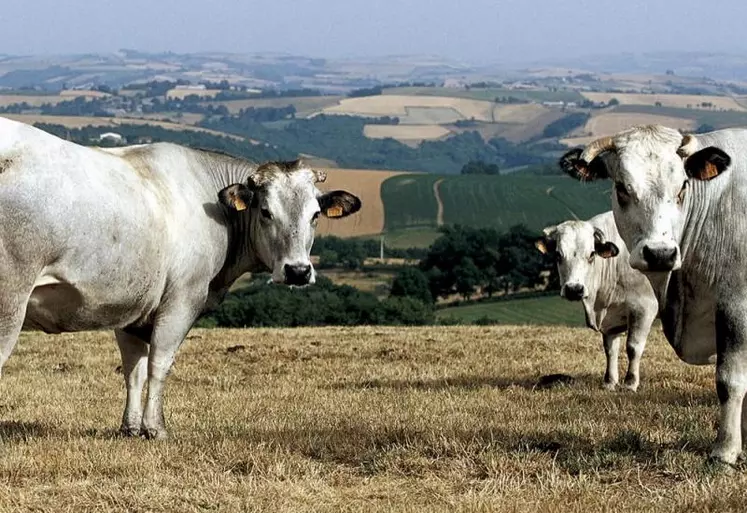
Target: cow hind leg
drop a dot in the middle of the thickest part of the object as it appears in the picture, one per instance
(134, 353)
(12, 316)
(731, 384)
(612, 352)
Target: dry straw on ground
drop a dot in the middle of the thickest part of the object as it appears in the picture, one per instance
(362, 419)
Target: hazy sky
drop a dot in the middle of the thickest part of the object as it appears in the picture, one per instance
(472, 30)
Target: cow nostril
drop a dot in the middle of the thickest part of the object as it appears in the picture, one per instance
(297, 274)
(574, 292)
(659, 258)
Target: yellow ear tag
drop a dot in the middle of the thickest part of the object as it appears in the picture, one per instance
(238, 204)
(335, 211)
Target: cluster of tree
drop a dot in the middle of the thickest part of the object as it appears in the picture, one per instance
(267, 305)
(252, 115)
(80, 106)
(89, 136)
(510, 100)
(341, 139)
(465, 261)
(366, 91)
(155, 87)
(477, 167)
(564, 125)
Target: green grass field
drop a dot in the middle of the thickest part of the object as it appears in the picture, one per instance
(547, 310)
(486, 201)
(488, 94)
(409, 201)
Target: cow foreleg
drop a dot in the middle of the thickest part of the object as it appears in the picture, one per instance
(731, 382)
(12, 314)
(612, 352)
(638, 331)
(134, 353)
(168, 334)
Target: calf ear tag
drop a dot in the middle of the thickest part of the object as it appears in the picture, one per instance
(335, 211)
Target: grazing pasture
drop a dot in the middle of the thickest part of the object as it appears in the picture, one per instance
(362, 419)
(683, 101)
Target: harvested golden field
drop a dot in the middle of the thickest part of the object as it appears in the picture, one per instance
(179, 93)
(684, 101)
(31, 100)
(305, 105)
(447, 110)
(362, 419)
(82, 121)
(69, 94)
(365, 184)
(405, 132)
(609, 123)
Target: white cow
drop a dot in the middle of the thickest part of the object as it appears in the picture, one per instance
(143, 240)
(593, 267)
(680, 205)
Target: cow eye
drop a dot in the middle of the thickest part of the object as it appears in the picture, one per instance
(681, 195)
(266, 213)
(623, 197)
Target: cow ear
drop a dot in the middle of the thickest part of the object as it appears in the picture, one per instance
(545, 245)
(606, 249)
(337, 204)
(572, 164)
(236, 197)
(707, 163)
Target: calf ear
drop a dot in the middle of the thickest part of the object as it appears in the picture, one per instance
(707, 163)
(572, 164)
(336, 204)
(236, 197)
(547, 243)
(604, 249)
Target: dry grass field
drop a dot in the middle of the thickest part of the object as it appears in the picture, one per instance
(83, 121)
(365, 184)
(609, 123)
(305, 105)
(180, 94)
(39, 100)
(398, 105)
(668, 100)
(405, 132)
(362, 419)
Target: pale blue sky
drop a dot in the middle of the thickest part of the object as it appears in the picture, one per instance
(470, 30)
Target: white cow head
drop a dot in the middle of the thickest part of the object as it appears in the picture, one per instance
(651, 167)
(283, 205)
(576, 245)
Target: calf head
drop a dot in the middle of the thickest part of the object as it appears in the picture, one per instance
(284, 204)
(576, 245)
(651, 167)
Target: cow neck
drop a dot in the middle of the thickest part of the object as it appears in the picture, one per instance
(701, 210)
(600, 298)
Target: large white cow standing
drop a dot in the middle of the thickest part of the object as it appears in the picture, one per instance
(593, 267)
(680, 205)
(143, 240)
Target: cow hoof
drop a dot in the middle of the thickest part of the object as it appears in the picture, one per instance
(609, 386)
(631, 387)
(129, 432)
(154, 433)
(720, 467)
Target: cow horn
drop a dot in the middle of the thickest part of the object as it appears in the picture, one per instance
(319, 175)
(594, 148)
(688, 146)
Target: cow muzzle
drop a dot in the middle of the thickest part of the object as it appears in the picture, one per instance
(658, 258)
(573, 291)
(298, 274)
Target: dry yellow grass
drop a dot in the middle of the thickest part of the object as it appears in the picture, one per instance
(405, 132)
(83, 121)
(609, 123)
(68, 94)
(32, 100)
(180, 94)
(667, 100)
(362, 419)
(304, 105)
(398, 105)
(365, 184)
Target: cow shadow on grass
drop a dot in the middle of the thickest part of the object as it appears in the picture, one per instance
(368, 451)
(472, 382)
(16, 431)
